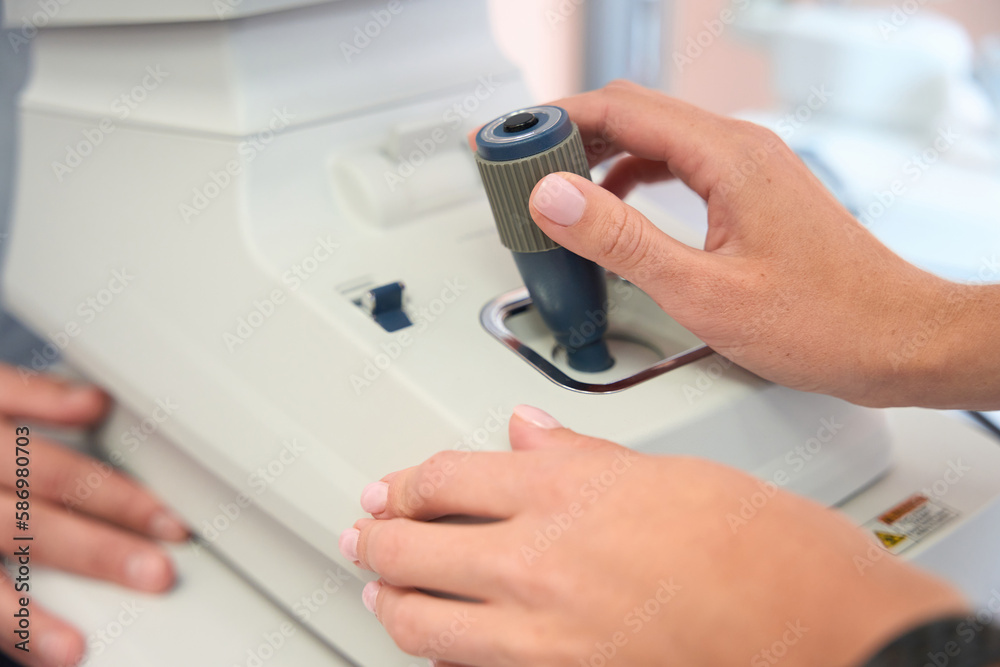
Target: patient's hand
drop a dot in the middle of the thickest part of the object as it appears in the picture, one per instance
(789, 284)
(603, 556)
(84, 517)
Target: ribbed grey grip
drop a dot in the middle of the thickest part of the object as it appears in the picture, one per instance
(509, 186)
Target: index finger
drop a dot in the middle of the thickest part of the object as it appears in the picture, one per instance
(624, 117)
(489, 485)
(50, 399)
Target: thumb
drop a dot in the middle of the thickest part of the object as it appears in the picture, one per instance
(588, 220)
(533, 429)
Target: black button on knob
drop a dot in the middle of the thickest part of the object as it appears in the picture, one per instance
(520, 122)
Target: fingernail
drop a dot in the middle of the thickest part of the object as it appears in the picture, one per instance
(537, 417)
(369, 594)
(165, 526)
(349, 543)
(374, 497)
(147, 571)
(559, 201)
(60, 648)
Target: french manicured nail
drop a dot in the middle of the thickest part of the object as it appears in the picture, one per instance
(59, 648)
(537, 417)
(374, 497)
(349, 543)
(165, 526)
(147, 571)
(559, 201)
(369, 595)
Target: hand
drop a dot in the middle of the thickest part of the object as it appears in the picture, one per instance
(600, 555)
(85, 517)
(789, 284)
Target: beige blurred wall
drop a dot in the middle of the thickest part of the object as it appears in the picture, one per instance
(980, 17)
(730, 75)
(723, 76)
(544, 38)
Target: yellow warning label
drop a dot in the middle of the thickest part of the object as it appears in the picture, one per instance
(889, 539)
(910, 522)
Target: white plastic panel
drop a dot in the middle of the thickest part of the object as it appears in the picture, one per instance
(28, 14)
(267, 73)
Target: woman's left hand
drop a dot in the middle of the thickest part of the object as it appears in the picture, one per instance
(598, 555)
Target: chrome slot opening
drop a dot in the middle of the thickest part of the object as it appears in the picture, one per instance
(644, 340)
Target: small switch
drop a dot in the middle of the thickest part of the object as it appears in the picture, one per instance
(385, 305)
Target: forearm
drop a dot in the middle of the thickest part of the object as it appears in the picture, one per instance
(948, 355)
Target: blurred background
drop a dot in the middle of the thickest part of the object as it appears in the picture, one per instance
(552, 40)
(893, 103)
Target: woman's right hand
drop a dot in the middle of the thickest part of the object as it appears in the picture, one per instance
(83, 516)
(789, 284)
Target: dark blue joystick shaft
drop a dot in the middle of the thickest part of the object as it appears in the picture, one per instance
(515, 152)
